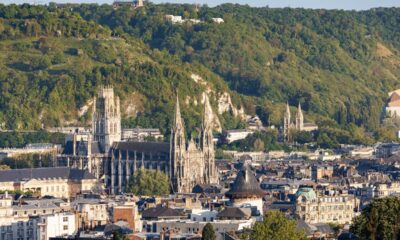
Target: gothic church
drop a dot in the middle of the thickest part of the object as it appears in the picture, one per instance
(104, 154)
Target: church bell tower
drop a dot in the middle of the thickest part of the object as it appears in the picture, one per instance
(207, 144)
(106, 125)
(178, 150)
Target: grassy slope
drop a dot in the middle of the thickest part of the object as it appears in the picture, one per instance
(145, 79)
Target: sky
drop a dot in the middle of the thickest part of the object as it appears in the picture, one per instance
(327, 4)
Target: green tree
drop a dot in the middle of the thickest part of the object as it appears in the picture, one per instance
(148, 182)
(258, 145)
(303, 137)
(276, 226)
(208, 232)
(380, 220)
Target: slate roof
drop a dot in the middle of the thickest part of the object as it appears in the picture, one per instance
(245, 185)
(206, 188)
(234, 213)
(96, 149)
(16, 175)
(146, 147)
(161, 212)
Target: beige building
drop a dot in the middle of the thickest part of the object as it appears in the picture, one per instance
(331, 208)
(387, 189)
(90, 212)
(319, 172)
(60, 182)
(298, 124)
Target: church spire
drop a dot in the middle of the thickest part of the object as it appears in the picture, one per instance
(287, 114)
(177, 150)
(299, 118)
(299, 111)
(287, 124)
(207, 144)
(207, 114)
(177, 117)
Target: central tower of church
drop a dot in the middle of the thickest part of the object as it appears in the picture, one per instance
(106, 125)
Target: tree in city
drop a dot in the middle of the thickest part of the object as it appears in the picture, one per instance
(276, 226)
(379, 220)
(208, 232)
(148, 182)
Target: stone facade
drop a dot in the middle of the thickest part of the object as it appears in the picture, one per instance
(192, 164)
(104, 153)
(328, 208)
(57, 182)
(106, 125)
(298, 124)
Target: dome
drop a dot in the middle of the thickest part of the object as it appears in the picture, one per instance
(306, 192)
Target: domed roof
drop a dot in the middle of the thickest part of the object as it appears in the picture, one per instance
(306, 192)
(245, 186)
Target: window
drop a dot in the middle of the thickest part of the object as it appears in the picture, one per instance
(65, 219)
(65, 227)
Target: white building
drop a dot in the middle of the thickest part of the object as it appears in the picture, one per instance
(56, 225)
(204, 215)
(140, 134)
(34, 220)
(237, 134)
(366, 152)
(327, 156)
(218, 20)
(174, 19)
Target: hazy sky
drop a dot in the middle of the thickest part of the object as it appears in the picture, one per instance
(329, 4)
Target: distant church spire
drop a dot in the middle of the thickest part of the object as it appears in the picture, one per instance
(287, 124)
(287, 114)
(207, 144)
(177, 149)
(208, 113)
(177, 117)
(299, 118)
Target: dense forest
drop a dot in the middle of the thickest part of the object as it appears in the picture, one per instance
(338, 64)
